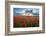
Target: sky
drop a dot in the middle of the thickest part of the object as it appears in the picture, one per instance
(20, 11)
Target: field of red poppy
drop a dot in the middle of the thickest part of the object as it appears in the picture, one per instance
(25, 21)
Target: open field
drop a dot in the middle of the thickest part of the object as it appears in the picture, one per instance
(25, 21)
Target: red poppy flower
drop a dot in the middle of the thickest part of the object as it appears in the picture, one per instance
(24, 23)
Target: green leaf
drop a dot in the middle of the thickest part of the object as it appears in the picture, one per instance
(28, 24)
(19, 24)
